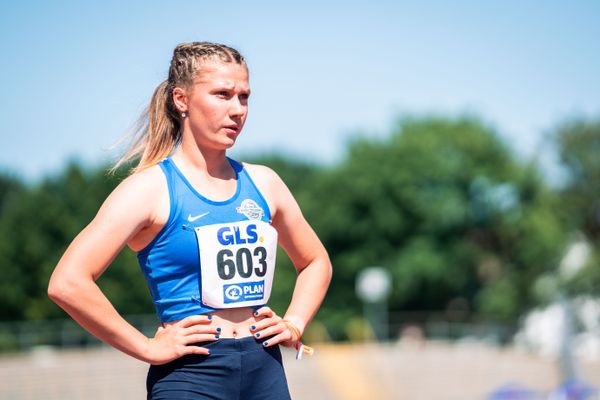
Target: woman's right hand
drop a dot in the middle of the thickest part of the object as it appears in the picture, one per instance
(174, 341)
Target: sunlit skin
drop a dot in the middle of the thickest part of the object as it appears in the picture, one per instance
(216, 106)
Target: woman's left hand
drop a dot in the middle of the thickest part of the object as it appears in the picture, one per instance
(270, 325)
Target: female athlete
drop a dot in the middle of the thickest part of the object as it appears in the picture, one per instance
(205, 228)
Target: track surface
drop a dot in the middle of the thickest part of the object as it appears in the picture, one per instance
(338, 372)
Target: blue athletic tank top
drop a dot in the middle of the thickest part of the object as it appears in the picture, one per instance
(226, 246)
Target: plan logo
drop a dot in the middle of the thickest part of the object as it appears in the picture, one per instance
(246, 291)
(233, 293)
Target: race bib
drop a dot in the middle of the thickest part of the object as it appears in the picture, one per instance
(237, 262)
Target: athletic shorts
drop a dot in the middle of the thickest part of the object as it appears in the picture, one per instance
(240, 369)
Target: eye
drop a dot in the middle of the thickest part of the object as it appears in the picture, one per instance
(223, 94)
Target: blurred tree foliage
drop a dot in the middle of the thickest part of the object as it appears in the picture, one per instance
(578, 145)
(460, 223)
(446, 207)
(36, 226)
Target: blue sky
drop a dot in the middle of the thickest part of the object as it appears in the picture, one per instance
(75, 75)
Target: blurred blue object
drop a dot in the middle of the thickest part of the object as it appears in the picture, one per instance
(574, 390)
(512, 391)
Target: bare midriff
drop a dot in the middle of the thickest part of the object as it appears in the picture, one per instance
(234, 322)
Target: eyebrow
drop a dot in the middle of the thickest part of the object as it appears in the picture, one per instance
(228, 87)
(224, 86)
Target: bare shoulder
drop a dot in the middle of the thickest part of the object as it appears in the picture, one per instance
(147, 181)
(272, 187)
(266, 179)
(141, 184)
(262, 174)
(138, 193)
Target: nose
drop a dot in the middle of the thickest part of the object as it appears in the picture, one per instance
(237, 107)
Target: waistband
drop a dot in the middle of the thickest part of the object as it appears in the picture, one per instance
(232, 345)
(219, 350)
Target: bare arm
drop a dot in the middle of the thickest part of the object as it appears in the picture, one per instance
(309, 257)
(305, 250)
(130, 208)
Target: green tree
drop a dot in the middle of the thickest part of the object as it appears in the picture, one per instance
(578, 145)
(447, 208)
(36, 227)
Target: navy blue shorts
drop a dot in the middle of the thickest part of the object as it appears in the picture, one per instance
(240, 369)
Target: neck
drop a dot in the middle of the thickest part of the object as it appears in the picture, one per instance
(213, 161)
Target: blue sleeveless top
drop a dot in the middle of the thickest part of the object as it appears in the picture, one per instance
(170, 263)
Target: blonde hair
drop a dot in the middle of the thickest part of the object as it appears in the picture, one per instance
(158, 130)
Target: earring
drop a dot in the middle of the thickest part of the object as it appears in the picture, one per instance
(183, 114)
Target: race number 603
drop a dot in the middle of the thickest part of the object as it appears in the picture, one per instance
(244, 262)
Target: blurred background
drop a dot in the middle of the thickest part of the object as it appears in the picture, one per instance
(446, 153)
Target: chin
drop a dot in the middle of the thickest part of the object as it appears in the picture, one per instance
(230, 141)
(227, 145)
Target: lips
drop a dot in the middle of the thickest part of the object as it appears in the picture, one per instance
(234, 128)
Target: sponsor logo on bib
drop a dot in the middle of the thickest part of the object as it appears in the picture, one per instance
(245, 291)
(250, 209)
(231, 236)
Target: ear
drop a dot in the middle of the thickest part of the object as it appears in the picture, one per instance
(180, 99)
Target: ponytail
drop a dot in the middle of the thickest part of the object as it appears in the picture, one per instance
(156, 134)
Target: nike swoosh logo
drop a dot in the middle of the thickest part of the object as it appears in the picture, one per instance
(192, 219)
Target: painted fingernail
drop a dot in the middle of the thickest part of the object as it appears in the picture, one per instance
(218, 329)
(255, 312)
(265, 343)
(253, 327)
(208, 351)
(209, 317)
(216, 336)
(257, 335)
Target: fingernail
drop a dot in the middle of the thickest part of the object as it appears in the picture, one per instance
(208, 351)
(218, 329)
(265, 343)
(216, 336)
(209, 317)
(253, 327)
(257, 335)
(255, 312)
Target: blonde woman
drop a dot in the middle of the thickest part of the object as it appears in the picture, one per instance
(205, 228)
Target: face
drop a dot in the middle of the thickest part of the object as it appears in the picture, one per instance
(216, 104)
